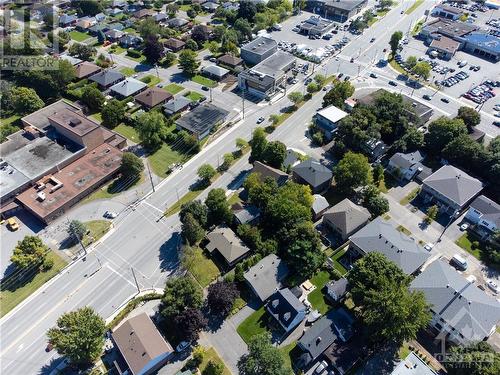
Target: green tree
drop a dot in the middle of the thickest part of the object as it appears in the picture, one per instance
(390, 312)
(79, 336)
(431, 215)
(213, 368)
(377, 205)
(259, 144)
(221, 296)
(131, 166)
(411, 61)
(263, 358)
(241, 144)
(247, 10)
(219, 211)
(477, 358)
(76, 229)
(441, 132)
(25, 100)
(422, 69)
(244, 29)
(394, 42)
(274, 119)
(82, 51)
(151, 129)
(31, 250)
(93, 98)
(197, 209)
(206, 172)
(181, 293)
(274, 154)
(295, 97)
(303, 249)
(87, 7)
(336, 96)
(153, 49)
(112, 113)
(213, 47)
(352, 171)
(192, 45)
(469, 116)
(188, 62)
(228, 160)
(320, 79)
(192, 231)
(148, 28)
(378, 173)
(312, 87)
(385, 4)
(169, 59)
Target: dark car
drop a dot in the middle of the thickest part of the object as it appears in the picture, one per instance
(427, 97)
(260, 120)
(340, 75)
(392, 83)
(352, 59)
(347, 78)
(205, 88)
(373, 75)
(496, 123)
(445, 100)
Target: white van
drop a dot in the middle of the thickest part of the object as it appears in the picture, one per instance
(459, 262)
(462, 63)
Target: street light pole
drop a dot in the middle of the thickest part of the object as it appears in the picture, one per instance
(150, 177)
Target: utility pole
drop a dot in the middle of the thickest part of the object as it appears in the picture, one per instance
(98, 260)
(78, 239)
(210, 95)
(135, 279)
(150, 177)
(177, 191)
(243, 104)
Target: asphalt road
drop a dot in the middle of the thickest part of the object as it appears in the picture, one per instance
(140, 239)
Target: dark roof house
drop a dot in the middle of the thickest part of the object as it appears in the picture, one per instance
(179, 104)
(128, 87)
(264, 171)
(153, 96)
(201, 120)
(286, 309)
(227, 244)
(266, 276)
(86, 69)
(107, 78)
(311, 172)
(345, 218)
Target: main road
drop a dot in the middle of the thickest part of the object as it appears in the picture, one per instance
(143, 242)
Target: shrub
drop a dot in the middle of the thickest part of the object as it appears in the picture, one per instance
(47, 264)
(133, 53)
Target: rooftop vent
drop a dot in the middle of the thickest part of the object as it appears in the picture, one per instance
(275, 303)
(287, 316)
(74, 122)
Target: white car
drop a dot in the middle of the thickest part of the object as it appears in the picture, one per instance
(110, 215)
(321, 367)
(428, 246)
(493, 286)
(464, 227)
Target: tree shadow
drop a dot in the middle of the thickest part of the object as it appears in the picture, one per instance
(51, 367)
(238, 180)
(16, 280)
(178, 78)
(169, 254)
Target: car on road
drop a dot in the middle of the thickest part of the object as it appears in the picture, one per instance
(496, 123)
(392, 83)
(323, 365)
(260, 120)
(110, 215)
(464, 227)
(445, 100)
(373, 75)
(372, 40)
(352, 59)
(296, 29)
(347, 78)
(49, 347)
(12, 224)
(182, 346)
(428, 246)
(340, 75)
(427, 97)
(205, 88)
(493, 286)
(212, 59)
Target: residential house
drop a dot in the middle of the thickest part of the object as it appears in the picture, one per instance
(413, 365)
(264, 171)
(67, 20)
(141, 346)
(98, 28)
(202, 120)
(258, 50)
(173, 44)
(461, 312)
(337, 289)
(215, 72)
(114, 12)
(84, 23)
(245, 214)
(210, 7)
(159, 17)
(116, 26)
(346, 218)
(130, 41)
(405, 166)
(451, 189)
(107, 78)
(381, 236)
(311, 172)
(118, 3)
(335, 327)
(71, 59)
(266, 277)
(85, 69)
(100, 17)
(128, 87)
(152, 97)
(230, 5)
(446, 11)
(143, 13)
(230, 61)
(374, 149)
(177, 23)
(179, 104)
(319, 206)
(327, 119)
(114, 35)
(229, 246)
(485, 215)
(286, 309)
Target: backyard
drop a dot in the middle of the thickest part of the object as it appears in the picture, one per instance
(255, 324)
(150, 80)
(316, 297)
(128, 132)
(193, 96)
(212, 355)
(127, 71)
(202, 268)
(78, 36)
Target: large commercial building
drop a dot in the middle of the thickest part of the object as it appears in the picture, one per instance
(264, 79)
(258, 50)
(338, 10)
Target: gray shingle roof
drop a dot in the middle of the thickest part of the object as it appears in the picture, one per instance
(266, 276)
(460, 303)
(284, 306)
(313, 172)
(347, 215)
(381, 236)
(405, 161)
(177, 104)
(227, 243)
(265, 170)
(454, 184)
(106, 77)
(489, 209)
(247, 214)
(202, 118)
(128, 87)
(319, 203)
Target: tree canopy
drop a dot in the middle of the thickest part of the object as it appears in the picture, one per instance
(477, 358)
(218, 209)
(25, 100)
(131, 166)
(29, 251)
(221, 297)
(181, 293)
(151, 129)
(263, 358)
(113, 113)
(469, 116)
(188, 62)
(352, 171)
(93, 98)
(336, 96)
(79, 336)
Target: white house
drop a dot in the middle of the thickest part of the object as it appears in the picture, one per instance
(485, 214)
(405, 166)
(328, 118)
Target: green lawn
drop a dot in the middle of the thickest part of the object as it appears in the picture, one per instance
(234, 198)
(117, 50)
(212, 355)
(188, 197)
(78, 36)
(194, 96)
(97, 228)
(409, 197)
(465, 242)
(128, 132)
(109, 191)
(10, 299)
(202, 268)
(139, 59)
(404, 351)
(238, 304)
(204, 81)
(173, 88)
(97, 117)
(415, 5)
(9, 120)
(403, 230)
(316, 297)
(185, 7)
(130, 30)
(162, 159)
(335, 257)
(255, 324)
(286, 353)
(151, 80)
(127, 71)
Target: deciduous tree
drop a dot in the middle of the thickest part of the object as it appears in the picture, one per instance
(29, 251)
(190, 322)
(206, 172)
(181, 293)
(258, 143)
(469, 116)
(295, 97)
(131, 166)
(274, 154)
(394, 42)
(192, 231)
(263, 358)
(221, 297)
(195, 208)
(25, 100)
(219, 210)
(188, 62)
(112, 113)
(336, 96)
(352, 171)
(93, 98)
(151, 129)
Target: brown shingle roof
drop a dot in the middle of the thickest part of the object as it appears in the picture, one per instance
(84, 69)
(153, 96)
(230, 60)
(173, 43)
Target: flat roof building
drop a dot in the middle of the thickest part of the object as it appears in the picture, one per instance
(40, 119)
(258, 50)
(446, 47)
(316, 25)
(328, 118)
(265, 79)
(484, 45)
(201, 120)
(53, 194)
(338, 10)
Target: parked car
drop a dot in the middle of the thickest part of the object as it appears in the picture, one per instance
(458, 262)
(427, 97)
(323, 365)
(428, 246)
(205, 88)
(182, 346)
(392, 83)
(445, 100)
(372, 40)
(260, 120)
(493, 286)
(464, 226)
(373, 75)
(12, 224)
(110, 215)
